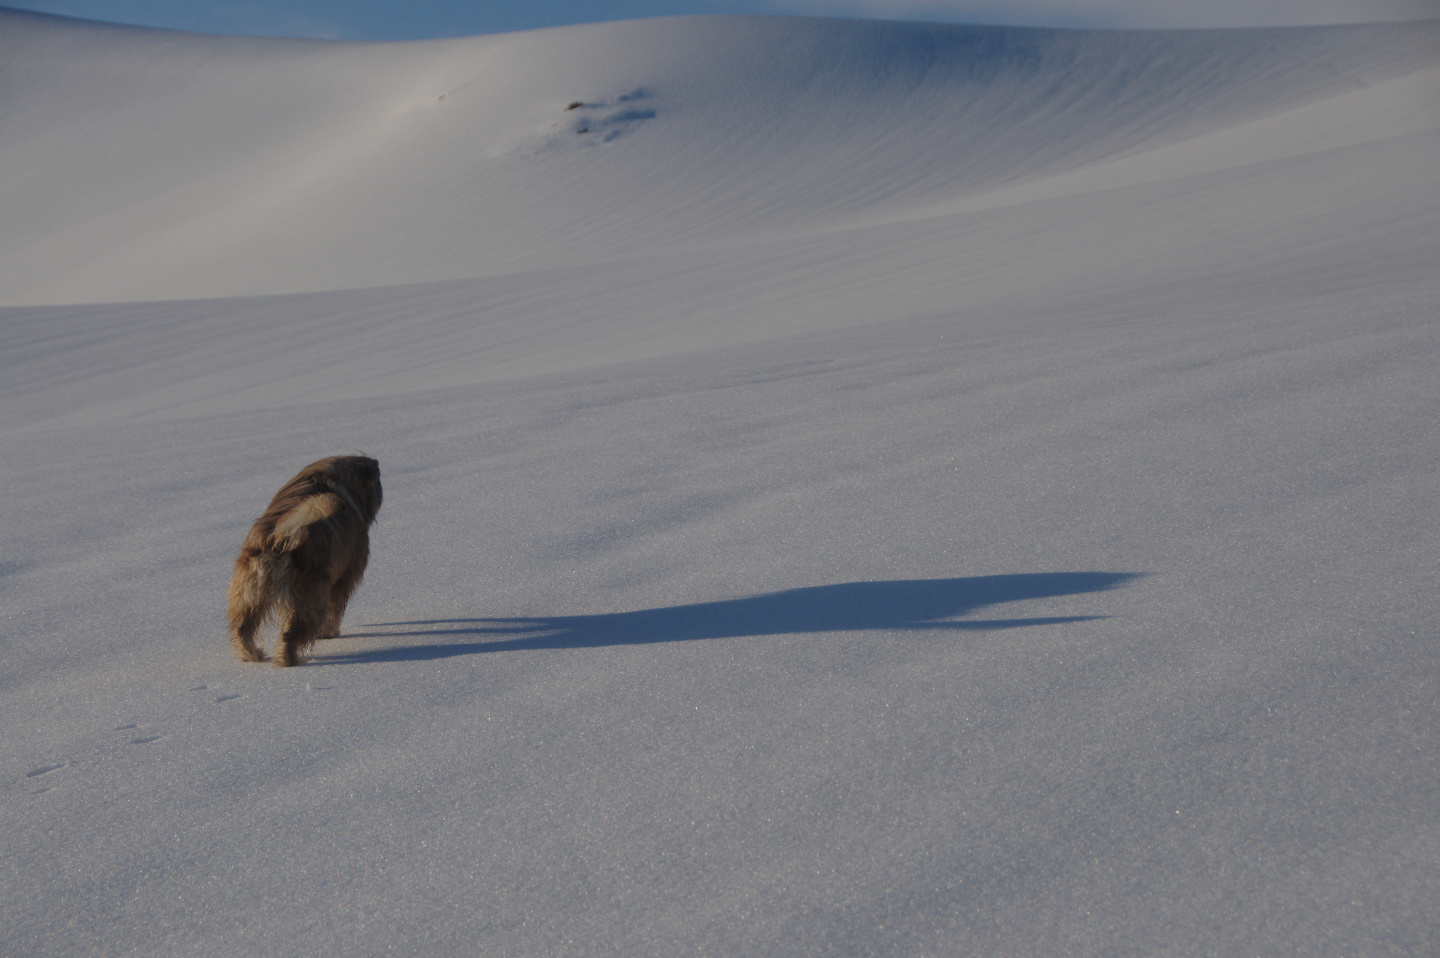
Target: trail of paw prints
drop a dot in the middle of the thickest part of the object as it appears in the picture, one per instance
(223, 696)
(40, 776)
(129, 734)
(35, 773)
(140, 738)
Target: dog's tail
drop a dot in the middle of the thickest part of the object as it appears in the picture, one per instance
(293, 529)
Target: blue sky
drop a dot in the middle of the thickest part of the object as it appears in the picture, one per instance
(416, 19)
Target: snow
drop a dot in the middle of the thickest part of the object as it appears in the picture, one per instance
(883, 489)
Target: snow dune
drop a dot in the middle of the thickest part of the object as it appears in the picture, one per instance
(851, 488)
(239, 166)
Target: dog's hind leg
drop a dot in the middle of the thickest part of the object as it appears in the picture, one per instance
(340, 594)
(242, 635)
(306, 620)
(248, 607)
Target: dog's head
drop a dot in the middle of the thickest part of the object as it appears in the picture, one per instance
(361, 475)
(357, 478)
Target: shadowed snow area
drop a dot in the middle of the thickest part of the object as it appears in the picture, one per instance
(851, 488)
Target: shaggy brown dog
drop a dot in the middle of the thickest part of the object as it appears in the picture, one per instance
(304, 557)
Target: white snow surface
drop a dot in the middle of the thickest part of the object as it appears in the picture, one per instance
(851, 488)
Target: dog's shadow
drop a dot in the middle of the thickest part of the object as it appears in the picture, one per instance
(931, 605)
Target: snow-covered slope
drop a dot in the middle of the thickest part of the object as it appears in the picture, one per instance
(851, 488)
(141, 165)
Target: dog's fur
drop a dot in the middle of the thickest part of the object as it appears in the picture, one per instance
(304, 557)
